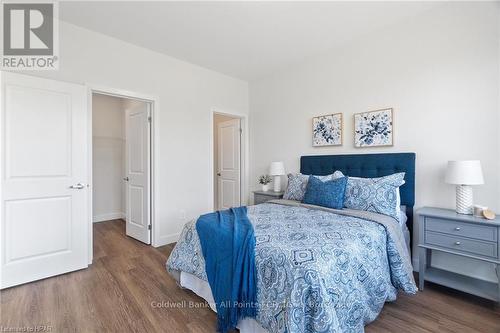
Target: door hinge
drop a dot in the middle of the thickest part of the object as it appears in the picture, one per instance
(149, 118)
(241, 130)
(149, 226)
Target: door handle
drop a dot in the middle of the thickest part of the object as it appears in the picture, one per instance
(125, 179)
(78, 186)
(218, 174)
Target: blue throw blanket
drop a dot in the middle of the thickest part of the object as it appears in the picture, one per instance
(228, 244)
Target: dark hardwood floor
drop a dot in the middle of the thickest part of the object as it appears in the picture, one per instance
(127, 289)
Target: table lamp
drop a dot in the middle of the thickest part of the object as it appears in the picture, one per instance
(464, 174)
(277, 170)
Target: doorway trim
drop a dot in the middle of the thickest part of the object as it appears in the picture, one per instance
(244, 150)
(154, 102)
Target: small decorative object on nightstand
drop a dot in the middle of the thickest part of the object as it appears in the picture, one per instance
(478, 210)
(263, 196)
(464, 174)
(264, 180)
(463, 235)
(277, 170)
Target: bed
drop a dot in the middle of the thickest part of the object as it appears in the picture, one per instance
(318, 269)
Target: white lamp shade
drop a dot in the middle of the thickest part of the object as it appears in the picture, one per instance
(277, 169)
(464, 173)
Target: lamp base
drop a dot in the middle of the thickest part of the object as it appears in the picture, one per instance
(464, 199)
(277, 183)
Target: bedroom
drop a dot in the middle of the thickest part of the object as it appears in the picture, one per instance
(436, 65)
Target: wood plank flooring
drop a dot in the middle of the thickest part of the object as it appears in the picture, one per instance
(127, 289)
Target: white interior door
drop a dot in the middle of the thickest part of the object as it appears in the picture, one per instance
(44, 176)
(137, 157)
(228, 163)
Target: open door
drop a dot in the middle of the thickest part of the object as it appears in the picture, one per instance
(228, 163)
(137, 166)
(44, 177)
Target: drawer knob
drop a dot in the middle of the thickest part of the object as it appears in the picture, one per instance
(457, 228)
(457, 243)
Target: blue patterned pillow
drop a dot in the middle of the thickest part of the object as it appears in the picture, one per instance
(297, 184)
(379, 195)
(327, 194)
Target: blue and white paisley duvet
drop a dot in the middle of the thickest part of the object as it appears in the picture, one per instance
(318, 270)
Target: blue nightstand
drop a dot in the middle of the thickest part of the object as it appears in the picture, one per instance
(463, 235)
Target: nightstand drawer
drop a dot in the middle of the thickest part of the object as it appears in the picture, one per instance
(454, 228)
(264, 196)
(261, 198)
(482, 248)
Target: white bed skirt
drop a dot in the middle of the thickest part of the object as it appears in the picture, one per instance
(202, 289)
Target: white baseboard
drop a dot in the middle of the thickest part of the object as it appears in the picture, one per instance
(167, 239)
(107, 217)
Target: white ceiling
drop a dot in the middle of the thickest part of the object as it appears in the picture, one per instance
(247, 40)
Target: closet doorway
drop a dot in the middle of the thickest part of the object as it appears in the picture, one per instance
(121, 163)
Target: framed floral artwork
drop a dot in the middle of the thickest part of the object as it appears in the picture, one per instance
(327, 130)
(373, 128)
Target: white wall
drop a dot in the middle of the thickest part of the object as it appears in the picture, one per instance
(440, 73)
(108, 144)
(187, 94)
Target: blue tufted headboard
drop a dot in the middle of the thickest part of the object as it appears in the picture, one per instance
(368, 165)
